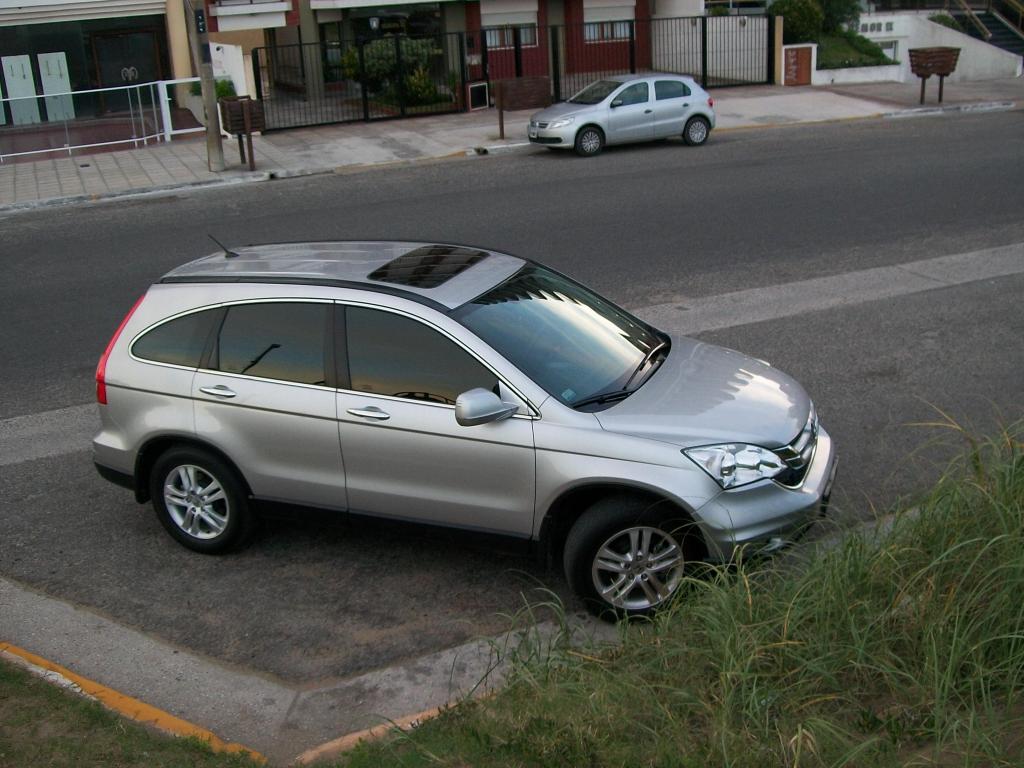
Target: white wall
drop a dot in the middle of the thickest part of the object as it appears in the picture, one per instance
(670, 9)
(978, 60)
(229, 62)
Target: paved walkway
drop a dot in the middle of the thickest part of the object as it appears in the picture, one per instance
(321, 149)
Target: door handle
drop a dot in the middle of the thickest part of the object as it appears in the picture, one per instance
(370, 412)
(219, 391)
(686, 105)
(648, 111)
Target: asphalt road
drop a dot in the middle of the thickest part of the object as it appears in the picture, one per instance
(645, 225)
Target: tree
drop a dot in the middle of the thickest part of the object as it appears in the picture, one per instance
(802, 20)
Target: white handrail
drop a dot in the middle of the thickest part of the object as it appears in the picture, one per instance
(157, 127)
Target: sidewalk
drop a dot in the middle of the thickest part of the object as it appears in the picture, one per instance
(324, 149)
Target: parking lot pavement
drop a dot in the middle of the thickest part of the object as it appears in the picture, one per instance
(309, 600)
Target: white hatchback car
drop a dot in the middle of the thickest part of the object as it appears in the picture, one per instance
(626, 108)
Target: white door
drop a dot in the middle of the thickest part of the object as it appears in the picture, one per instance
(20, 82)
(53, 71)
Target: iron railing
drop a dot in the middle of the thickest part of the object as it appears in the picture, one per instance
(91, 119)
(401, 76)
(333, 82)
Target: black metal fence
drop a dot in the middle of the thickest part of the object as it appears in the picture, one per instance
(400, 75)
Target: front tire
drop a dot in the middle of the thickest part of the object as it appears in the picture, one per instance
(696, 131)
(589, 141)
(626, 556)
(200, 500)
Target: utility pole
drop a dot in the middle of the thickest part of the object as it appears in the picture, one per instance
(199, 41)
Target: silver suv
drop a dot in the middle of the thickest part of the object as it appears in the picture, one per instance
(454, 386)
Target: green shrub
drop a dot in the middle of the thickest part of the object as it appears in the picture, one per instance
(224, 88)
(803, 19)
(420, 88)
(380, 62)
(848, 49)
(946, 21)
(839, 14)
(718, 10)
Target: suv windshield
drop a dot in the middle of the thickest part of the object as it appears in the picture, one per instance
(573, 343)
(595, 93)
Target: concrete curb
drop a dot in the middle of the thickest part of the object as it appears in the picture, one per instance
(125, 706)
(53, 202)
(987, 106)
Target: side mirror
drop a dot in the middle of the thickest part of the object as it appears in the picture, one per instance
(616, 103)
(481, 406)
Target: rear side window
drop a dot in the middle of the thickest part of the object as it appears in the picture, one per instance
(670, 89)
(389, 354)
(179, 342)
(274, 341)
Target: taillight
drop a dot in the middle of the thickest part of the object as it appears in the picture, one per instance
(711, 102)
(101, 368)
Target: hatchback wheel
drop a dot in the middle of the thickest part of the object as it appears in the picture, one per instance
(627, 557)
(589, 141)
(696, 131)
(200, 500)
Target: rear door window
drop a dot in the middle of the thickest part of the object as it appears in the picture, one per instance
(670, 89)
(283, 341)
(394, 355)
(180, 341)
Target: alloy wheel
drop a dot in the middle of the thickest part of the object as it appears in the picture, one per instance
(638, 568)
(196, 502)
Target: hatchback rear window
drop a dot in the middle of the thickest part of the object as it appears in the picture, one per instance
(178, 342)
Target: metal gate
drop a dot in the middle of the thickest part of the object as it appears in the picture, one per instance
(372, 79)
(402, 75)
(716, 50)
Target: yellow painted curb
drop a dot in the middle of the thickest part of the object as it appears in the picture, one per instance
(133, 708)
(347, 742)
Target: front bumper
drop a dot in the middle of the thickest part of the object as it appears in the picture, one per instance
(765, 516)
(558, 137)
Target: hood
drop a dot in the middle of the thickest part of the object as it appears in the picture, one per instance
(703, 394)
(563, 109)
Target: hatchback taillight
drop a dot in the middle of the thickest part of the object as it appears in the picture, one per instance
(711, 102)
(101, 368)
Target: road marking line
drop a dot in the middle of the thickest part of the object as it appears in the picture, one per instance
(727, 310)
(50, 433)
(124, 705)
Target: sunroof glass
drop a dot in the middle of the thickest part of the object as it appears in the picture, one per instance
(427, 267)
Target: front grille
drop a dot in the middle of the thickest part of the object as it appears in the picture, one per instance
(799, 453)
(534, 124)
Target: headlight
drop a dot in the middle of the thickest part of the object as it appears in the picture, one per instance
(736, 464)
(561, 123)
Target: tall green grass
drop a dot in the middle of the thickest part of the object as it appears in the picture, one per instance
(899, 647)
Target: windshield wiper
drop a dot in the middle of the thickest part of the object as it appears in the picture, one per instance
(647, 358)
(603, 397)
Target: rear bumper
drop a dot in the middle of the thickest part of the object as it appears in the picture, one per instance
(115, 476)
(766, 516)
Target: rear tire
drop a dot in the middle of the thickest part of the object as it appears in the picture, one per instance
(589, 141)
(627, 557)
(200, 500)
(696, 131)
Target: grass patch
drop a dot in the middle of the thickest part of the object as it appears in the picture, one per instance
(903, 647)
(42, 725)
(849, 50)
